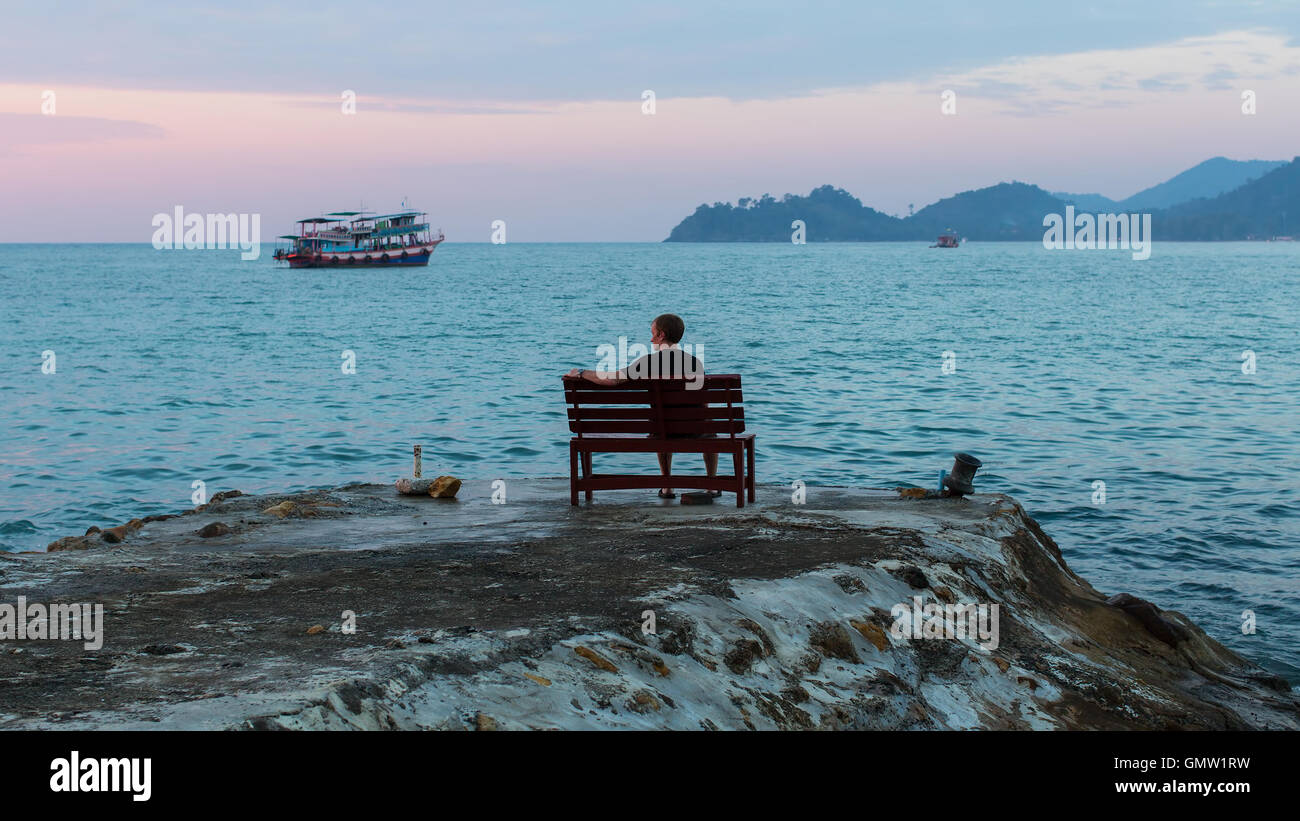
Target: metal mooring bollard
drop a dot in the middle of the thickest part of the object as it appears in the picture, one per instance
(959, 482)
(418, 454)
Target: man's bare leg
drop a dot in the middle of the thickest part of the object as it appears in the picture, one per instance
(666, 468)
(711, 468)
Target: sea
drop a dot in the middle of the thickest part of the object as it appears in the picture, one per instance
(1144, 411)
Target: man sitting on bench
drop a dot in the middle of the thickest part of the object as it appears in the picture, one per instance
(665, 361)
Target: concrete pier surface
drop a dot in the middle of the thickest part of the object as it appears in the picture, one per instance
(357, 607)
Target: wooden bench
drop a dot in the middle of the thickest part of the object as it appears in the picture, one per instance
(647, 416)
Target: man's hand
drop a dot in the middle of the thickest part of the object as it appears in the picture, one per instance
(573, 372)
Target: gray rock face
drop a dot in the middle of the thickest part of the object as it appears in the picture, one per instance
(361, 608)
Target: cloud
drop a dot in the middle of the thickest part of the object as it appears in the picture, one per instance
(580, 50)
(418, 106)
(1092, 79)
(1165, 82)
(42, 129)
(1218, 80)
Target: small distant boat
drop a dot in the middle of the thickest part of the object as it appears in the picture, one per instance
(355, 239)
(947, 240)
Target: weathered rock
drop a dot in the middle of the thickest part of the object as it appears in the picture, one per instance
(739, 658)
(213, 529)
(162, 649)
(444, 487)
(850, 584)
(282, 510)
(503, 597)
(414, 487)
(72, 543)
(833, 641)
(642, 701)
(913, 576)
(796, 694)
(757, 629)
(119, 534)
(1272, 681)
(1149, 616)
(872, 633)
(313, 508)
(597, 659)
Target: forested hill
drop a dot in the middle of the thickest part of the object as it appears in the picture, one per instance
(1006, 211)
(1264, 207)
(836, 213)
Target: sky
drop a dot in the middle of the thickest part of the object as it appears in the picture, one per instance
(535, 114)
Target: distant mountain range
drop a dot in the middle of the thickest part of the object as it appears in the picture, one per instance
(1209, 179)
(1219, 199)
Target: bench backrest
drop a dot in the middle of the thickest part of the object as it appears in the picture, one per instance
(656, 407)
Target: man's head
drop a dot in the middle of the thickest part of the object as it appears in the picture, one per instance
(667, 329)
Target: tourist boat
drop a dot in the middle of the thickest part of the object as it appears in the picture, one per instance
(947, 240)
(355, 239)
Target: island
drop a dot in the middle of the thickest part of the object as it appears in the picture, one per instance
(1217, 200)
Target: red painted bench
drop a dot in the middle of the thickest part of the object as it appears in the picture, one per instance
(645, 416)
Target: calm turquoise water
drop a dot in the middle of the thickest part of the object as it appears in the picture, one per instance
(1071, 367)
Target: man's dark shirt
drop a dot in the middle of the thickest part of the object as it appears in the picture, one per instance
(666, 363)
(672, 363)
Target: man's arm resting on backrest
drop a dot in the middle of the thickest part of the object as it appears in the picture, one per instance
(600, 377)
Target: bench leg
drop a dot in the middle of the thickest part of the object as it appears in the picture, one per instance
(573, 476)
(738, 458)
(586, 469)
(749, 447)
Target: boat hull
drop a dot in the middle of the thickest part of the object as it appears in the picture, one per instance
(414, 255)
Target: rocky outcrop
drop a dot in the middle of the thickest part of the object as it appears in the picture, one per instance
(387, 611)
(443, 487)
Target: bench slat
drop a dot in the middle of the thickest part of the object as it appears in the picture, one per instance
(711, 380)
(713, 412)
(628, 481)
(624, 443)
(617, 396)
(652, 428)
